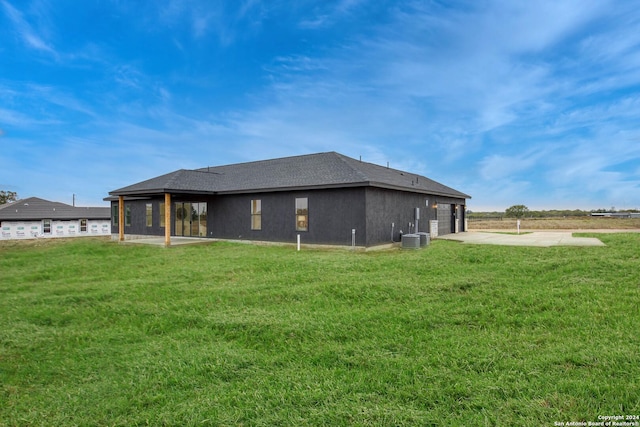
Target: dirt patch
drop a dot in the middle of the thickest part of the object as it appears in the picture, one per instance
(568, 223)
(44, 242)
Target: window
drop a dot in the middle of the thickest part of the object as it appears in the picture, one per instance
(46, 226)
(83, 225)
(161, 214)
(149, 215)
(127, 215)
(256, 214)
(302, 214)
(114, 214)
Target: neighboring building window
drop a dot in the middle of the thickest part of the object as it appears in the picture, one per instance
(83, 225)
(161, 214)
(46, 226)
(127, 215)
(114, 214)
(149, 215)
(302, 214)
(256, 214)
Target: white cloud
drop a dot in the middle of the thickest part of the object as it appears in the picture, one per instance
(128, 76)
(21, 120)
(329, 13)
(501, 166)
(499, 195)
(226, 20)
(25, 31)
(32, 106)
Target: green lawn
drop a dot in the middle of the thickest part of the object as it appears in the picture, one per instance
(97, 333)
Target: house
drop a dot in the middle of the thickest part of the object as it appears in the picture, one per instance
(326, 198)
(34, 218)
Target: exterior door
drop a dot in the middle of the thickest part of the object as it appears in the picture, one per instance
(191, 219)
(199, 219)
(454, 211)
(183, 219)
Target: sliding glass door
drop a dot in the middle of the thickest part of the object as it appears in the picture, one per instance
(191, 219)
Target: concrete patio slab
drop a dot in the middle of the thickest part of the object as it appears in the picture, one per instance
(536, 238)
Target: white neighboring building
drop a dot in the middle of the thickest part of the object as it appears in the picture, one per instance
(38, 218)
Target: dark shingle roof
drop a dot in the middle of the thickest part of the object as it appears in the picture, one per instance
(34, 209)
(322, 170)
(183, 180)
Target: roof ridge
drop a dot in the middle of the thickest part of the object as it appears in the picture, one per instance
(202, 170)
(265, 160)
(344, 158)
(174, 176)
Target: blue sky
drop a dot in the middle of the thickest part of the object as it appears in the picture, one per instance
(512, 102)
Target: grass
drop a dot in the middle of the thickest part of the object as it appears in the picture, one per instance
(96, 333)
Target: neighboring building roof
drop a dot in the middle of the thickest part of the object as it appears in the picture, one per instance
(322, 170)
(34, 209)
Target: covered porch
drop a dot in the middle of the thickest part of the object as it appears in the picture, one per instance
(150, 216)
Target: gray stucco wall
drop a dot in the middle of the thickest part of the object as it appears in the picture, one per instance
(332, 216)
(139, 218)
(390, 212)
(387, 207)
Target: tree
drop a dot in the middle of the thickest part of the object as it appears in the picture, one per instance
(8, 196)
(516, 211)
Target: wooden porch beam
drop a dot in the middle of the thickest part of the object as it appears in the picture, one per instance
(167, 219)
(121, 218)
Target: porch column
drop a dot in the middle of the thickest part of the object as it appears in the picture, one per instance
(167, 219)
(121, 218)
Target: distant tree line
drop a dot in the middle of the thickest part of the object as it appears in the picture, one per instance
(521, 211)
(8, 196)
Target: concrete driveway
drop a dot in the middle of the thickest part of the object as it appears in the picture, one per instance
(536, 238)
